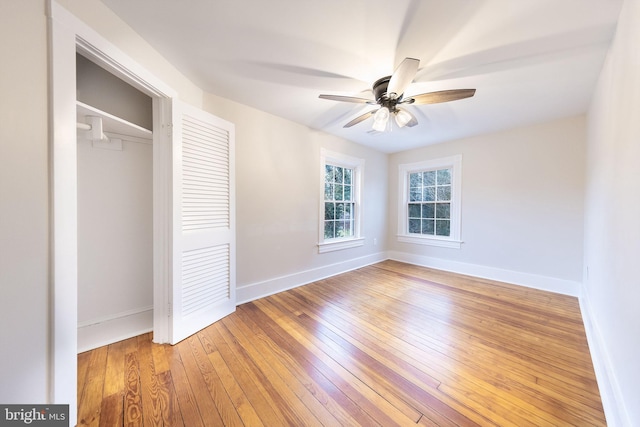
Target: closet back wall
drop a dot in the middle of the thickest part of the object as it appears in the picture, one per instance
(101, 89)
(115, 218)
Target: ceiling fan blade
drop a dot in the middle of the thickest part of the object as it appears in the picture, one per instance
(403, 76)
(440, 96)
(360, 118)
(348, 99)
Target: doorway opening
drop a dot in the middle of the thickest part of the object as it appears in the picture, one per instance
(187, 142)
(115, 208)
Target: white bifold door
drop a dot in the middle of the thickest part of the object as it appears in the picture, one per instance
(202, 288)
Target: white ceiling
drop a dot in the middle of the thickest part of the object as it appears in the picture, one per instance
(530, 60)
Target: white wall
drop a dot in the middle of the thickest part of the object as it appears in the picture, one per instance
(612, 224)
(278, 196)
(522, 198)
(24, 201)
(115, 243)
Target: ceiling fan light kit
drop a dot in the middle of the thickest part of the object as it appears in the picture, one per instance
(380, 119)
(402, 118)
(389, 93)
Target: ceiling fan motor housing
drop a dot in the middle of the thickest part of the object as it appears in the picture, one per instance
(381, 96)
(380, 88)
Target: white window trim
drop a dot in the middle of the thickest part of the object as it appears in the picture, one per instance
(452, 241)
(357, 165)
(337, 245)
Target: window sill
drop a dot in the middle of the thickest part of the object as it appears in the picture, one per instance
(430, 241)
(337, 245)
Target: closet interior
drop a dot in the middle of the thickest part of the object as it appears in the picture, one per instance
(115, 208)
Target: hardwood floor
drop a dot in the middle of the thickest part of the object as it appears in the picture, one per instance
(388, 344)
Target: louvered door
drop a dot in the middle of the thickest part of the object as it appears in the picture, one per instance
(203, 277)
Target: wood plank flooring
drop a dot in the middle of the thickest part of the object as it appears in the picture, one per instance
(385, 345)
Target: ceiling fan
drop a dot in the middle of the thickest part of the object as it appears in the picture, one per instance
(389, 94)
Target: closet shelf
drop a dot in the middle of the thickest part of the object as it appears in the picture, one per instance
(111, 123)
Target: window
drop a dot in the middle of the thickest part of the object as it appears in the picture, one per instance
(429, 211)
(430, 202)
(339, 205)
(340, 202)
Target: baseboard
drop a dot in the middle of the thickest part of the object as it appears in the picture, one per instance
(612, 398)
(269, 287)
(545, 283)
(107, 330)
(265, 288)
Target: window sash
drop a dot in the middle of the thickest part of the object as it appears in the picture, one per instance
(339, 207)
(429, 205)
(339, 225)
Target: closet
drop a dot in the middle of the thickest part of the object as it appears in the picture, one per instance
(115, 208)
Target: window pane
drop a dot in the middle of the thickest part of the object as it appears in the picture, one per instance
(429, 194)
(414, 210)
(444, 176)
(443, 227)
(415, 195)
(348, 229)
(348, 209)
(415, 179)
(348, 175)
(429, 178)
(427, 226)
(428, 210)
(443, 210)
(444, 193)
(347, 192)
(414, 226)
(339, 210)
(328, 173)
(329, 210)
(338, 192)
(328, 191)
(329, 229)
(339, 228)
(339, 171)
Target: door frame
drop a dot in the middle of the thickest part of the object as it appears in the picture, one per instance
(67, 36)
